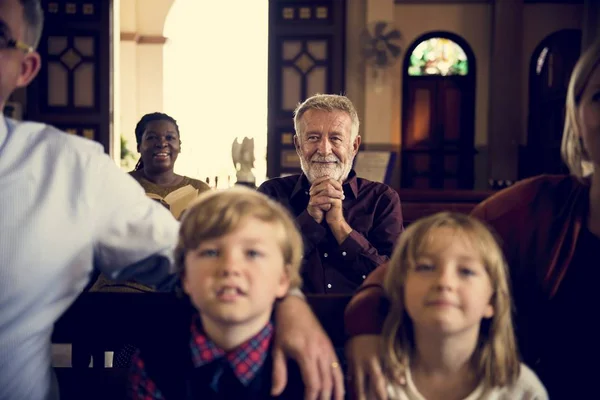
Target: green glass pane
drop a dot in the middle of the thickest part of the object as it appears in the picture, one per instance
(438, 56)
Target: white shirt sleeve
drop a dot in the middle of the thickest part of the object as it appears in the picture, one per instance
(134, 235)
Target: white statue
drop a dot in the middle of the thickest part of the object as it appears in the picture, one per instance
(243, 160)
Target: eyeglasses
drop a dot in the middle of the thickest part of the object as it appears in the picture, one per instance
(6, 43)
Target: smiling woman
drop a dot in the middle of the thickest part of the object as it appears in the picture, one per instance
(159, 144)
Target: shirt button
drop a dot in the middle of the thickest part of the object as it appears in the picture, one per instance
(329, 286)
(343, 253)
(325, 255)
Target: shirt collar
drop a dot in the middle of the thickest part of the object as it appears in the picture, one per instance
(350, 185)
(245, 360)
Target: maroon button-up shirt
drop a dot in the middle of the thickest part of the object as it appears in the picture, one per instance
(373, 211)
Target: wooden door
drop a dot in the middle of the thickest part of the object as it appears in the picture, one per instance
(437, 138)
(74, 88)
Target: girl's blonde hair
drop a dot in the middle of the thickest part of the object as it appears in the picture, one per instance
(572, 150)
(217, 213)
(495, 358)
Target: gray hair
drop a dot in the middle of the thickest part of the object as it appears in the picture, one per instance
(572, 150)
(34, 21)
(328, 102)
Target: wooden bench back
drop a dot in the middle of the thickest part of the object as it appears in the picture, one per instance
(421, 203)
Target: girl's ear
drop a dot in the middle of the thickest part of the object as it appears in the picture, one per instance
(489, 311)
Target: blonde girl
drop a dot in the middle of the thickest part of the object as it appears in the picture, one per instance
(449, 332)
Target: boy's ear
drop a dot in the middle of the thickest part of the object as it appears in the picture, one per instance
(184, 284)
(284, 284)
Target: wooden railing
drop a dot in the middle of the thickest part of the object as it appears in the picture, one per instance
(421, 203)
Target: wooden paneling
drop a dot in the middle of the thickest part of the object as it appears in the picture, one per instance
(73, 89)
(421, 203)
(306, 56)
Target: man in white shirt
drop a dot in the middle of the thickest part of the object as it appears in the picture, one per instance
(66, 207)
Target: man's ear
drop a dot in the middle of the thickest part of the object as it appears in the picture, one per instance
(297, 144)
(356, 144)
(30, 66)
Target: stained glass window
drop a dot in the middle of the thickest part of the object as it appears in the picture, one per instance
(438, 56)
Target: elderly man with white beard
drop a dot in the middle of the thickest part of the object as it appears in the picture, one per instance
(349, 224)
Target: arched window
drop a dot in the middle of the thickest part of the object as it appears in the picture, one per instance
(438, 56)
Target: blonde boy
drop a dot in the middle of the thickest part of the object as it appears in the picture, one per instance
(238, 252)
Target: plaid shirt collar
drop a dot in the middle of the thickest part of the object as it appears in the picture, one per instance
(245, 360)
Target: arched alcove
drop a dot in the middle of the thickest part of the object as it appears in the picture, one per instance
(438, 113)
(550, 69)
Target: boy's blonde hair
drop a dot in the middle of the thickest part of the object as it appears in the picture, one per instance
(572, 150)
(495, 358)
(329, 103)
(217, 213)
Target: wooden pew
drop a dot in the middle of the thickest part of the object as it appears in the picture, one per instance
(101, 322)
(421, 203)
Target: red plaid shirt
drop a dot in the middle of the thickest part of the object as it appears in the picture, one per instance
(245, 360)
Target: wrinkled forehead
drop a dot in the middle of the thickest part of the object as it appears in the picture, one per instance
(334, 120)
(11, 19)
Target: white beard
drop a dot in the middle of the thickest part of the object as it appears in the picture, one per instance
(338, 171)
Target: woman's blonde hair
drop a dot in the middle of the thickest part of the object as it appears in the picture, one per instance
(495, 358)
(217, 213)
(572, 150)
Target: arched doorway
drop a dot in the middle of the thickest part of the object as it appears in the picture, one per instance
(438, 113)
(550, 69)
